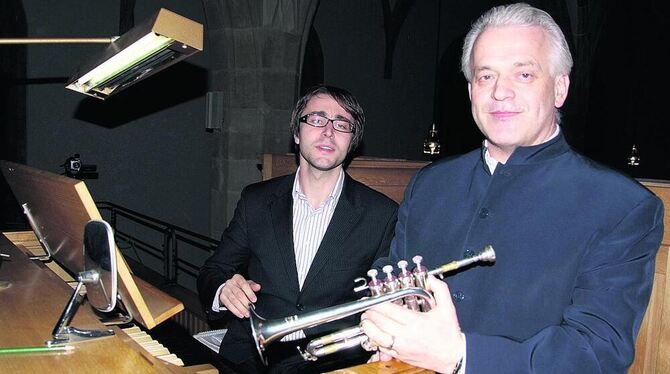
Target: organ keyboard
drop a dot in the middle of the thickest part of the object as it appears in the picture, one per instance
(152, 346)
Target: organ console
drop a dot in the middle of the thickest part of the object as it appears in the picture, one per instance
(34, 292)
(33, 302)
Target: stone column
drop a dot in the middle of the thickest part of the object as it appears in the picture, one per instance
(256, 49)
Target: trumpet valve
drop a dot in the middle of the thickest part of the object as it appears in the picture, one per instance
(375, 285)
(420, 272)
(402, 265)
(390, 282)
(372, 273)
(417, 264)
(405, 278)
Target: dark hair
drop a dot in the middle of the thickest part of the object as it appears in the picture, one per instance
(344, 98)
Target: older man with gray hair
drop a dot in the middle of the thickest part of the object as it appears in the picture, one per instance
(575, 242)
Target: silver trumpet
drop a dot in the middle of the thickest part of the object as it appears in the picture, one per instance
(267, 331)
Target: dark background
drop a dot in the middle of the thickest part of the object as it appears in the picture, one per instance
(400, 58)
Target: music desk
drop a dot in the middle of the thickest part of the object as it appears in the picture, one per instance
(32, 305)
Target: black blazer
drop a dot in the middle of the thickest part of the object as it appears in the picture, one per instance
(258, 244)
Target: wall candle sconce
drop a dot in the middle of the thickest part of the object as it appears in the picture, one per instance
(633, 159)
(431, 145)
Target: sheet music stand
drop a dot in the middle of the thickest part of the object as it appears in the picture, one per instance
(60, 207)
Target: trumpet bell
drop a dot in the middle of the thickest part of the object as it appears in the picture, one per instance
(256, 323)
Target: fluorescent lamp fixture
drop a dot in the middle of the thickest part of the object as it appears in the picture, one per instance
(143, 48)
(149, 47)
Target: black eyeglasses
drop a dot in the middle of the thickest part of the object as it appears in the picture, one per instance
(317, 120)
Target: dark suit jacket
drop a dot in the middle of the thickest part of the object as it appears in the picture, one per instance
(575, 245)
(258, 244)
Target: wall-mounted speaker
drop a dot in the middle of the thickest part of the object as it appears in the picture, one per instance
(214, 111)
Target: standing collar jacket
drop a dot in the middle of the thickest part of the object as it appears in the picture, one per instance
(575, 244)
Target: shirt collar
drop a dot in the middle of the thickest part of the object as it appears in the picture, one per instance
(333, 196)
(492, 163)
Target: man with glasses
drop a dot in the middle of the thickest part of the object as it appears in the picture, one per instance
(297, 242)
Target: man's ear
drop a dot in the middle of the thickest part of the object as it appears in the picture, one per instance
(561, 85)
(470, 91)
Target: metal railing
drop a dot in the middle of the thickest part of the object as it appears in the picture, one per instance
(173, 238)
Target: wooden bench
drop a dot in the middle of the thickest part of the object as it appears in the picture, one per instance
(652, 349)
(388, 176)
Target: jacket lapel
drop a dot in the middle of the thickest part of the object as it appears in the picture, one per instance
(281, 211)
(346, 215)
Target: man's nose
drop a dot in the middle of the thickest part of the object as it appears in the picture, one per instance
(328, 130)
(502, 90)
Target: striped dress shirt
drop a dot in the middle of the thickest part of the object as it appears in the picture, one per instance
(309, 227)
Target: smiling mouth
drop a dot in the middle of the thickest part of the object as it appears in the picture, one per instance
(503, 115)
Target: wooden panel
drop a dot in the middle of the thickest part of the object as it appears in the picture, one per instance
(27, 242)
(647, 345)
(388, 176)
(663, 357)
(652, 348)
(662, 190)
(61, 207)
(390, 367)
(32, 305)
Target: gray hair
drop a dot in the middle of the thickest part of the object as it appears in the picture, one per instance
(519, 14)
